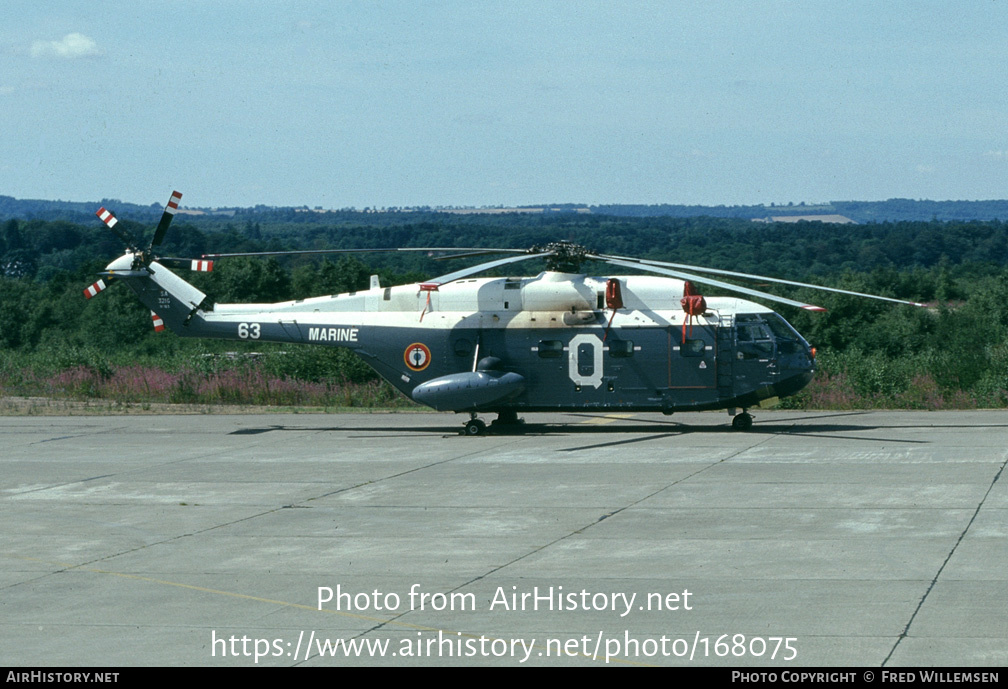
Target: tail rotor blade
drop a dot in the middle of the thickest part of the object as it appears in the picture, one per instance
(166, 218)
(95, 289)
(158, 322)
(107, 217)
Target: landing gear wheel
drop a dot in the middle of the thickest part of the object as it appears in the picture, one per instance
(508, 417)
(507, 423)
(742, 422)
(475, 427)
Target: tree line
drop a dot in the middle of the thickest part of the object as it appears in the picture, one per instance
(953, 353)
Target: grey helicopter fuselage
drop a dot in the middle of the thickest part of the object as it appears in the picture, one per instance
(506, 345)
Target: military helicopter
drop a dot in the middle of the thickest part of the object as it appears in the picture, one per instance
(562, 340)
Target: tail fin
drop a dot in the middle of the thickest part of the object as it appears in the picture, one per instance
(166, 294)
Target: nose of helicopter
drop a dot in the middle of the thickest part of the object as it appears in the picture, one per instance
(796, 368)
(792, 384)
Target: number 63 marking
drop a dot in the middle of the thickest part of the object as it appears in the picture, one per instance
(248, 331)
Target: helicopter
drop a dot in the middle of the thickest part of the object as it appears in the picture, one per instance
(562, 340)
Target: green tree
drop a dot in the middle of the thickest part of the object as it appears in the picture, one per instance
(249, 280)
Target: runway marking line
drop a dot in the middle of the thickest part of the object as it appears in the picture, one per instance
(608, 418)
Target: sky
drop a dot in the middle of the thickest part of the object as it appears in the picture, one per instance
(390, 104)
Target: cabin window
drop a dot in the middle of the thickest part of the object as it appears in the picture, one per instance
(692, 347)
(387, 296)
(463, 347)
(550, 349)
(621, 349)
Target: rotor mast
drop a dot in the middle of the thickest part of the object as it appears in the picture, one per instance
(563, 256)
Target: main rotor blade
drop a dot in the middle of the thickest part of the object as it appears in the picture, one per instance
(750, 276)
(630, 263)
(471, 253)
(466, 272)
(310, 252)
(524, 255)
(198, 265)
(166, 218)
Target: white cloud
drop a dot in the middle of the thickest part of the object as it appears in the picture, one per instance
(996, 155)
(71, 46)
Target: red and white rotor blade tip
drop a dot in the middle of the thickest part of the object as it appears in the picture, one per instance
(173, 202)
(166, 218)
(94, 289)
(106, 217)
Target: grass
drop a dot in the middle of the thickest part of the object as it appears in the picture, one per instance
(86, 381)
(140, 387)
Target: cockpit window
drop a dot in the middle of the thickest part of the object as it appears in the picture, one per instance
(781, 328)
(753, 332)
(757, 333)
(755, 340)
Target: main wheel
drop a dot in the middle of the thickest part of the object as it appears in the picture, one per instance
(742, 422)
(475, 427)
(508, 417)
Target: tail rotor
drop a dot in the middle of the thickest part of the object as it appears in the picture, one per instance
(138, 259)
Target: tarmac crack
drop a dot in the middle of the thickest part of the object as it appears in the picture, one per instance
(948, 558)
(286, 506)
(582, 529)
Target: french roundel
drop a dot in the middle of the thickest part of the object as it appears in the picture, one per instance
(417, 356)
